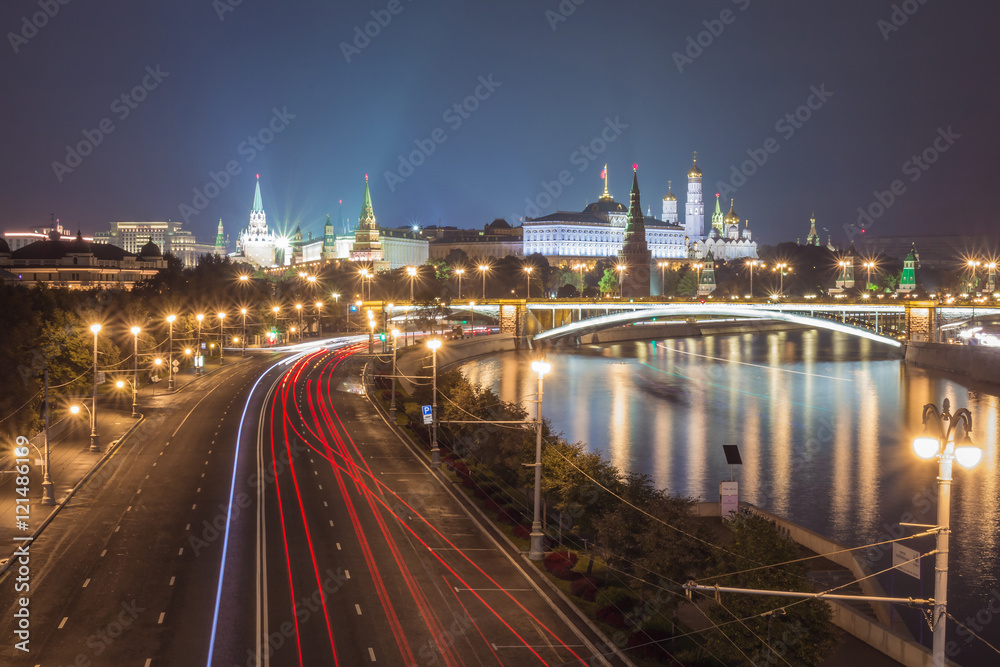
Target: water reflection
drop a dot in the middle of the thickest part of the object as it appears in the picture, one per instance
(824, 422)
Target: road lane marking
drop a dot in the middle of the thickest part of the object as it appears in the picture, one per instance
(357, 608)
(149, 661)
(181, 552)
(128, 509)
(371, 652)
(320, 487)
(86, 582)
(138, 491)
(63, 622)
(117, 528)
(171, 581)
(194, 506)
(325, 504)
(198, 490)
(338, 546)
(315, 472)
(187, 527)
(331, 523)
(202, 474)
(162, 614)
(104, 552)
(347, 574)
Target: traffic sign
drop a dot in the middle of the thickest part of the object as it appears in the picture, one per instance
(910, 557)
(428, 415)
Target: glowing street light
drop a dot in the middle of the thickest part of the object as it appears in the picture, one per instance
(434, 344)
(95, 442)
(621, 280)
(392, 403)
(752, 263)
(537, 549)
(243, 312)
(170, 353)
(528, 270)
(222, 337)
(298, 307)
(459, 273)
(484, 269)
(940, 443)
(135, 368)
(868, 280)
(199, 317)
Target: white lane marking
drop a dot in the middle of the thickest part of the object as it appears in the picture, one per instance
(371, 652)
(138, 491)
(117, 528)
(194, 506)
(202, 474)
(198, 490)
(128, 509)
(104, 552)
(347, 574)
(210, 451)
(331, 523)
(325, 504)
(149, 661)
(63, 622)
(338, 546)
(357, 608)
(187, 527)
(315, 472)
(171, 581)
(320, 487)
(180, 552)
(86, 582)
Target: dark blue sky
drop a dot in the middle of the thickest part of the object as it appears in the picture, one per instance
(552, 91)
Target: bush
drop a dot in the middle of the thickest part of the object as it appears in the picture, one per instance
(616, 596)
(612, 616)
(561, 564)
(522, 532)
(509, 516)
(468, 482)
(585, 587)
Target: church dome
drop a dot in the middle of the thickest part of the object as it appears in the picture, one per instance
(731, 217)
(670, 195)
(150, 250)
(694, 171)
(605, 206)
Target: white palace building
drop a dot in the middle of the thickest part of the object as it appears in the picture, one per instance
(599, 230)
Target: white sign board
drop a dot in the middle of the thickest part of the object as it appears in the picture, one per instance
(428, 415)
(100, 377)
(901, 554)
(729, 497)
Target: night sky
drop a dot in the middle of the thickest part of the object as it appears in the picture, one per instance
(550, 76)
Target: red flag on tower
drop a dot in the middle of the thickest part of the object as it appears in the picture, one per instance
(604, 172)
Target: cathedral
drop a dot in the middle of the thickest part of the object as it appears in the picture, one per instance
(724, 240)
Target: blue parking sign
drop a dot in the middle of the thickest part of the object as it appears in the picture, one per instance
(428, 415)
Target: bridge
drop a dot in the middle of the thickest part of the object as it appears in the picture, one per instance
(889, 321)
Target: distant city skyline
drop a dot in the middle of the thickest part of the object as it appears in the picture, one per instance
(867, 114)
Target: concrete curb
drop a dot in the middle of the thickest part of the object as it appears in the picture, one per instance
(482, 521)
(79, 485)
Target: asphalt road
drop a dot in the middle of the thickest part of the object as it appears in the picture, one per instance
(268, 515)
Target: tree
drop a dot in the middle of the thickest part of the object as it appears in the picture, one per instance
(802, 635)
(609, 282)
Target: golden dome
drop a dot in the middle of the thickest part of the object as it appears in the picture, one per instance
(670, 195)
(731, 217)
(694, 172)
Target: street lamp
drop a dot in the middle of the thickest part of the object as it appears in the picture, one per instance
(95, 442)
(199, 317)
(459, 273)
(121, 385)
(371, 333)
(528, 270)
(472, 306)
(537, 549)
(135, 367)
(364, 274)
(434, 344)
(412, 272)
(780, 268)
(621, 280)
(222, 337)
(336, 308)
(319, 318)
(484, 269)
(392, 403)
(243, 352)
(298, 307)
(941, 444)
(868, 280)
(843, 264)
(663, 270)
(752, 263)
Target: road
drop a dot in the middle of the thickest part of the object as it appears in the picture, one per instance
(267, 515)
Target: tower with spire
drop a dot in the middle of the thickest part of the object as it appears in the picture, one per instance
(635, 255)
(908, 279)
(694, 210)
(220, 241)
(813, 237)
(257, 243)
(706, 278)
(669, 206)
(367, 246)
(718, 230)
(329, 240)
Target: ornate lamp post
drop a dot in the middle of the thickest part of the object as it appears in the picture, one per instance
(528, 270)
(392, 403)
(843, 264)
(868, 280)
(752, 263)
(222, 337)
(135, 369)
(621, 280)
(95, 442)
(537, 549)
(663, 276)
(243, 352)
(199, 317)
(434, 344)
(459, 273)
(170, 353)
(483, 269)
(940, 442)
(780, 268)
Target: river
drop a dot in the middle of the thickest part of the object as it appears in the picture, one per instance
(824, 422)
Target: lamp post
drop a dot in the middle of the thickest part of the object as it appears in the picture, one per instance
(199, 317)
(537, 549)
(752, 263)
(472, 306)
(135, 369)
(868, 281)
(364, 274)
(336, 309)
(941, 444)
(483, 268)
(319, 318)
(459, 273)
(412, 272)
(843, 264)
(663, 276)
(434, 344)
(579, 270)
(528, 270)
(243, 352)
(298, 307)
(371, 333)
(392, 403)
(95, 442)
(170, 353)
(621, 280)
(48, 488)
(275, 310)
(121, 385)
(222, 337)
(780, 268)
